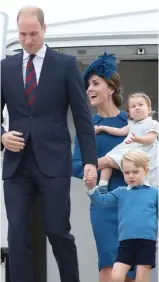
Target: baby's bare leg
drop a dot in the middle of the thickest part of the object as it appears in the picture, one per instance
(110, 163)
(106, 173)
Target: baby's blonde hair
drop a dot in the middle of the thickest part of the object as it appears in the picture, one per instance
(138, 95)
(140, 159)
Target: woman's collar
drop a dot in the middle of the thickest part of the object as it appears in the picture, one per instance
(123, 115)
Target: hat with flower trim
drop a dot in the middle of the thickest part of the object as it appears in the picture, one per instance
(104, 66)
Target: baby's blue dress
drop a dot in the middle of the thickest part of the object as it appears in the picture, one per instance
(104, 220)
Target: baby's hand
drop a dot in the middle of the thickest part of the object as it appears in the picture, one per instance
(133, 138)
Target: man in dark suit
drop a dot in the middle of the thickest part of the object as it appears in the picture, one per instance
(38, 85)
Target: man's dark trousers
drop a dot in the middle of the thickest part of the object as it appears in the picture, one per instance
(20, 191)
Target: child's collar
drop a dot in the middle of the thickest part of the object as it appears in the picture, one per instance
(129, 187)
(142, 120)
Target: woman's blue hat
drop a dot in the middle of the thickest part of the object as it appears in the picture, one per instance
(104, 66)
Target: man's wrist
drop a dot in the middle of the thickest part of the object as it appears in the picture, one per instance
(2, 131)
(2, 135)
(94, 165)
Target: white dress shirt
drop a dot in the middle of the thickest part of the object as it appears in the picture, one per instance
(37, 61)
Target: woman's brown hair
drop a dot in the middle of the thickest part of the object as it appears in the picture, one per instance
(115, 83)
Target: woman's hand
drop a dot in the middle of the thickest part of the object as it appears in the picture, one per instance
(98, 129)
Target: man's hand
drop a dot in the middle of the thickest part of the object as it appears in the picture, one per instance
(90, 181)
(90, 175)
(13, 141)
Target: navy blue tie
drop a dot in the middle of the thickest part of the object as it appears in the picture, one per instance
(30, 81)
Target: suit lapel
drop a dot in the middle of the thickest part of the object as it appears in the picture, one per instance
(18, 73)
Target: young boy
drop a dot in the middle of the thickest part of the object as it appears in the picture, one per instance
(137, 218)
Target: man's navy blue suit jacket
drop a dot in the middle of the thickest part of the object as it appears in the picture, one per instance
(60, 86)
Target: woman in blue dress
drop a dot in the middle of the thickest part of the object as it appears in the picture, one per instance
(103, 88)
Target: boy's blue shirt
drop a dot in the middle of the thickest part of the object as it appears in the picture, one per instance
(137, 210)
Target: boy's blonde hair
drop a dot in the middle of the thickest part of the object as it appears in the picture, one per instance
(140, 159)
(138, 95)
